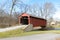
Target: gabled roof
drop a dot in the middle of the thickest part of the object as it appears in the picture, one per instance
(26, 14)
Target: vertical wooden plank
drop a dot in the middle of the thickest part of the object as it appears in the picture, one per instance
(28, 19)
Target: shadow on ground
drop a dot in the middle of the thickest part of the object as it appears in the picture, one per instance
(46, 29)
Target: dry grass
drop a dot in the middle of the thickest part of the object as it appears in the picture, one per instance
(18, 32)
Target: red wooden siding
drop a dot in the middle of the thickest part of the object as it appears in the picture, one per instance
(37, 22)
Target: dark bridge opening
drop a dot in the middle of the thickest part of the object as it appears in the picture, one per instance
(24, 20)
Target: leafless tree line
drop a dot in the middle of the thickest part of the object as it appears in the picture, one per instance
(8, 19)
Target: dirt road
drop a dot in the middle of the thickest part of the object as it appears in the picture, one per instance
(12, 28)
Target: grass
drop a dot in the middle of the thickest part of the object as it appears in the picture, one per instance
(19, 32)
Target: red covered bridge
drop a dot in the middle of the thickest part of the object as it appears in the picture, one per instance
(26, 19)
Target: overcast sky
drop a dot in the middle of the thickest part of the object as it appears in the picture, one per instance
(56, 3)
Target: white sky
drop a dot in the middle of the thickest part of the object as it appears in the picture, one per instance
(57, 15)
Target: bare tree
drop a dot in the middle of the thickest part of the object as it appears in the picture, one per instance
(48, 10)
(19, 5)
(12, 6)
(34, 10)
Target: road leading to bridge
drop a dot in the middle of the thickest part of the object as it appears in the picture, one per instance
(47, 36)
